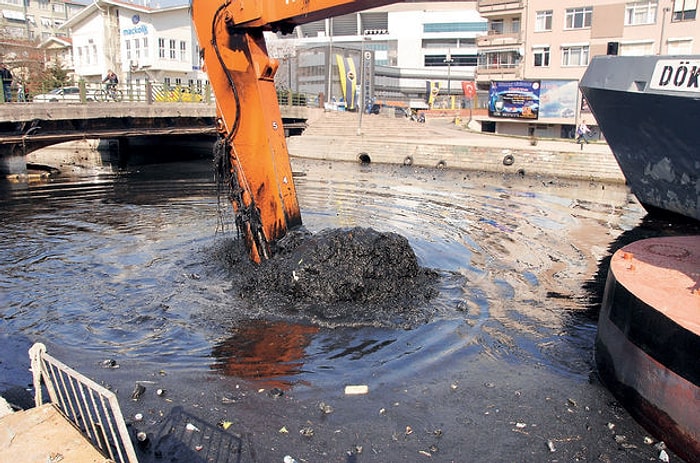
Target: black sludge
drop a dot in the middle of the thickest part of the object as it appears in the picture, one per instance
(345, 277)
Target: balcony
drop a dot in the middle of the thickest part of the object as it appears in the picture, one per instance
(498, 39)
(490, 7)
(499, 65)
(502, 72)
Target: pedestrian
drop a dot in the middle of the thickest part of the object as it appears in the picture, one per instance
(6, 82)
(20, 92)
(582, 133)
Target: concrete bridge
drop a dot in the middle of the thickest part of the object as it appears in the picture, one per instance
(26, 127)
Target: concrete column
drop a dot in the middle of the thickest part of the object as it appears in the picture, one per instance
(12, 160)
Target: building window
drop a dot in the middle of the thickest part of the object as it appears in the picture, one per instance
(515, 25)
(173, 51)
(684, 10)
(640, 13)
(680, 47)
(574, 56)
(455, 27)
(183, 50)
(145, 47)
(496, 26)
(137, 48)
(457, 60)
(499, 60)
(541, 57)
(128, 49)
(579, 18)
(637, 48)
(161, 48)
(543, 22)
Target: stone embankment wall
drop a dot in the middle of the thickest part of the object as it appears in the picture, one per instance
(441, 143)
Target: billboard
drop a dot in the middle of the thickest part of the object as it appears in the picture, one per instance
(517, 99)
(558, 99)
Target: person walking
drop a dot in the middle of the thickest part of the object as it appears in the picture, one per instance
(21, 97)
(6, 82)
(582, 133)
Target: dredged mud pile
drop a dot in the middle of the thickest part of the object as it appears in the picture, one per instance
(343, 277)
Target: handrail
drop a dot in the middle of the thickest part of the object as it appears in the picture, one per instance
(91, 408)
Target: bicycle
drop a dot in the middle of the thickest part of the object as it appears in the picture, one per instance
(110, 93)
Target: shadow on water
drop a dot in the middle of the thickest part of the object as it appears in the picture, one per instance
(651, 226)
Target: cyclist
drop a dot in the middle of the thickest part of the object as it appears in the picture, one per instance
(110, 82)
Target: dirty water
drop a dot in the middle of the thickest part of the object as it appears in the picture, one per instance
(135, 267)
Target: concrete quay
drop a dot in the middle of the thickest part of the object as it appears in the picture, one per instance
(439, 142)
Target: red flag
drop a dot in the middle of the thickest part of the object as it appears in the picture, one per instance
(469, 88)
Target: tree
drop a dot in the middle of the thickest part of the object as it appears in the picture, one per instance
(54, 76)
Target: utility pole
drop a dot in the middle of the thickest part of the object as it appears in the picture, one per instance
(449, 61)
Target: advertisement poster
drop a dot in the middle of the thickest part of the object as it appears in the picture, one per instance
(558, 99)
(514, 99)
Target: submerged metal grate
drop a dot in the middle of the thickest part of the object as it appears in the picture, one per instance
(91, 408)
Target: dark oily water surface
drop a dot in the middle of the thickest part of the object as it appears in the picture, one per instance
(136, 267)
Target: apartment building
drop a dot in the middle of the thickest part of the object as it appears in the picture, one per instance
(35, 20)
(546, 45)
(137, 42)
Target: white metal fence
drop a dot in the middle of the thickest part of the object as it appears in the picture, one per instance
(93, 409)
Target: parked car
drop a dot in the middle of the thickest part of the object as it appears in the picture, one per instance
(67, 94)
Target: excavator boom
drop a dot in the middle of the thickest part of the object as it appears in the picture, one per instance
(249, 121)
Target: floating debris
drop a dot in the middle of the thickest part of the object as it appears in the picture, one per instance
(550, 446)
(110, 363)
(139, 389)
(191, 427)
(357, 389)
(325, 408)
(142, 439)
(276, 393)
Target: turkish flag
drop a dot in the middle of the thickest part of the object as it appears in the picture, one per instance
(469, 88)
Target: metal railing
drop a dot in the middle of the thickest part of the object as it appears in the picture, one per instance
(93, 409)
(150, 92)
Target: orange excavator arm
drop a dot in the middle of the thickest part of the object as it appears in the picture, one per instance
(242, 74)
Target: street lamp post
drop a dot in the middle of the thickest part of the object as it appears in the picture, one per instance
(449, 61)
(361, 104)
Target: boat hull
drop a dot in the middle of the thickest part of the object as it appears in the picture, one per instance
(654, 134)
(648, 341)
